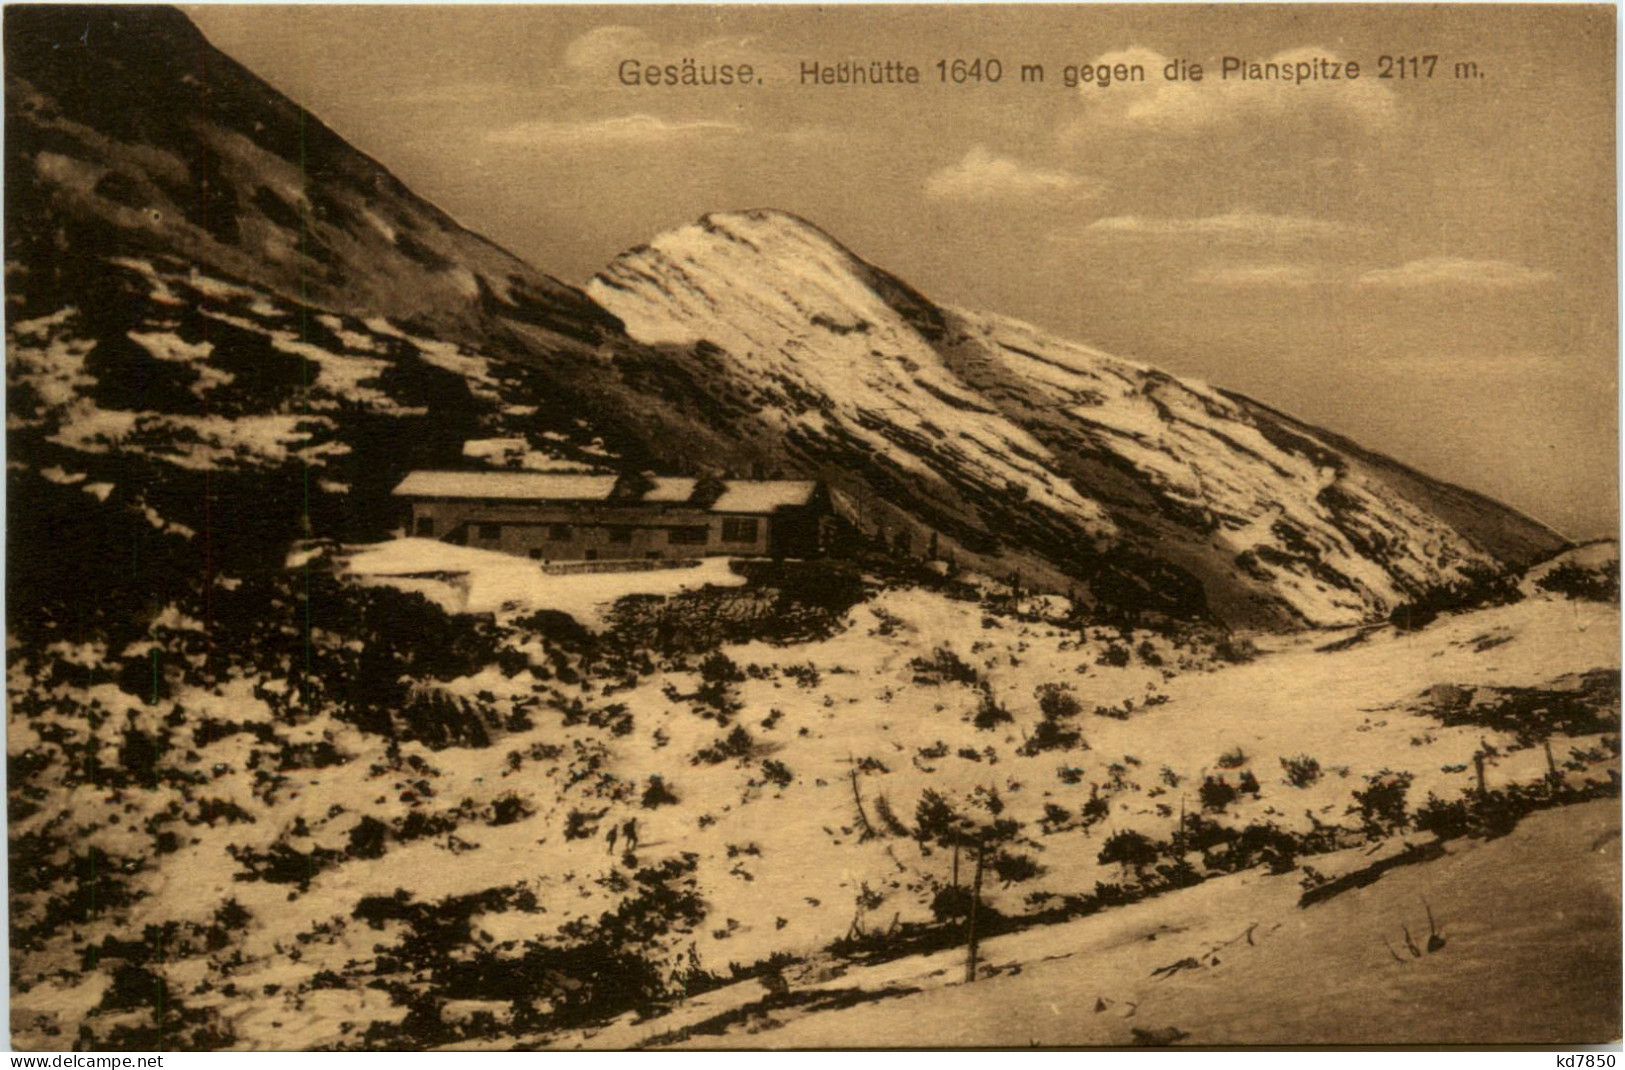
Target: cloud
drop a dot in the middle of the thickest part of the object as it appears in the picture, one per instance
(606, 46)
(1241, 276)
(597, 53)
(1183, 107)
(1456, 271)
(614, 131)
(1238, 224)
(980, 175)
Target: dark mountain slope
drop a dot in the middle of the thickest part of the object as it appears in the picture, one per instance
(155, 186)
(127, 131)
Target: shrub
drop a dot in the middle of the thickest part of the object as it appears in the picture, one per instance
(581, 824)
(1056, 702)
(508, 808)
(1495, 813)
(1051, 735)
(1381, 805)
(1301, 771)
(886, 622)
(1178, 874)
(1591, 585)
(944, 666)
(367, 839)
(417, 824)
(776, 772)
(602, 967)
(1446, 820)
(440, 720)
(1235, 649)
(317, 755)
(1215, 794)
(615, 717)
(716, 699)
(1013, 868)
(657, 793)
(719, 668)
(806, 676)
(140, 677)
(738, 744)
(951, 903)
(1112, 895)
(1267, 844)
(888, 817)
(1482, 589)
(934, 820)
(785, 602)
(232, 916)
(1096, 810)
(1114, 655)
(282, 864)
(1057, 705)
(1535, 714)
(989, 712)
(1200, 834)
(1130, 849)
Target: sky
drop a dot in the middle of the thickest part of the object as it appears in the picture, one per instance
(1427, 265)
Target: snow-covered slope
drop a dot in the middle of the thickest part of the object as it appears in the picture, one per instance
(232, 811)
(1237, 961)
(1043, 454)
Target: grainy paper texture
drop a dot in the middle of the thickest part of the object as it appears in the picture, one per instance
(631, 527)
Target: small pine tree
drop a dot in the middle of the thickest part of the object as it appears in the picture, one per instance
(1129, 849)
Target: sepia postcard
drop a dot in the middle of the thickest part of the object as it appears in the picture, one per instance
(795, 527)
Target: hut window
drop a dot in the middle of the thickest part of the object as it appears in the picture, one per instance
(739, 529)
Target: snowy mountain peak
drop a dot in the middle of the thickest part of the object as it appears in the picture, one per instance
(1042, 456)
(763, 220)
(775, 262)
